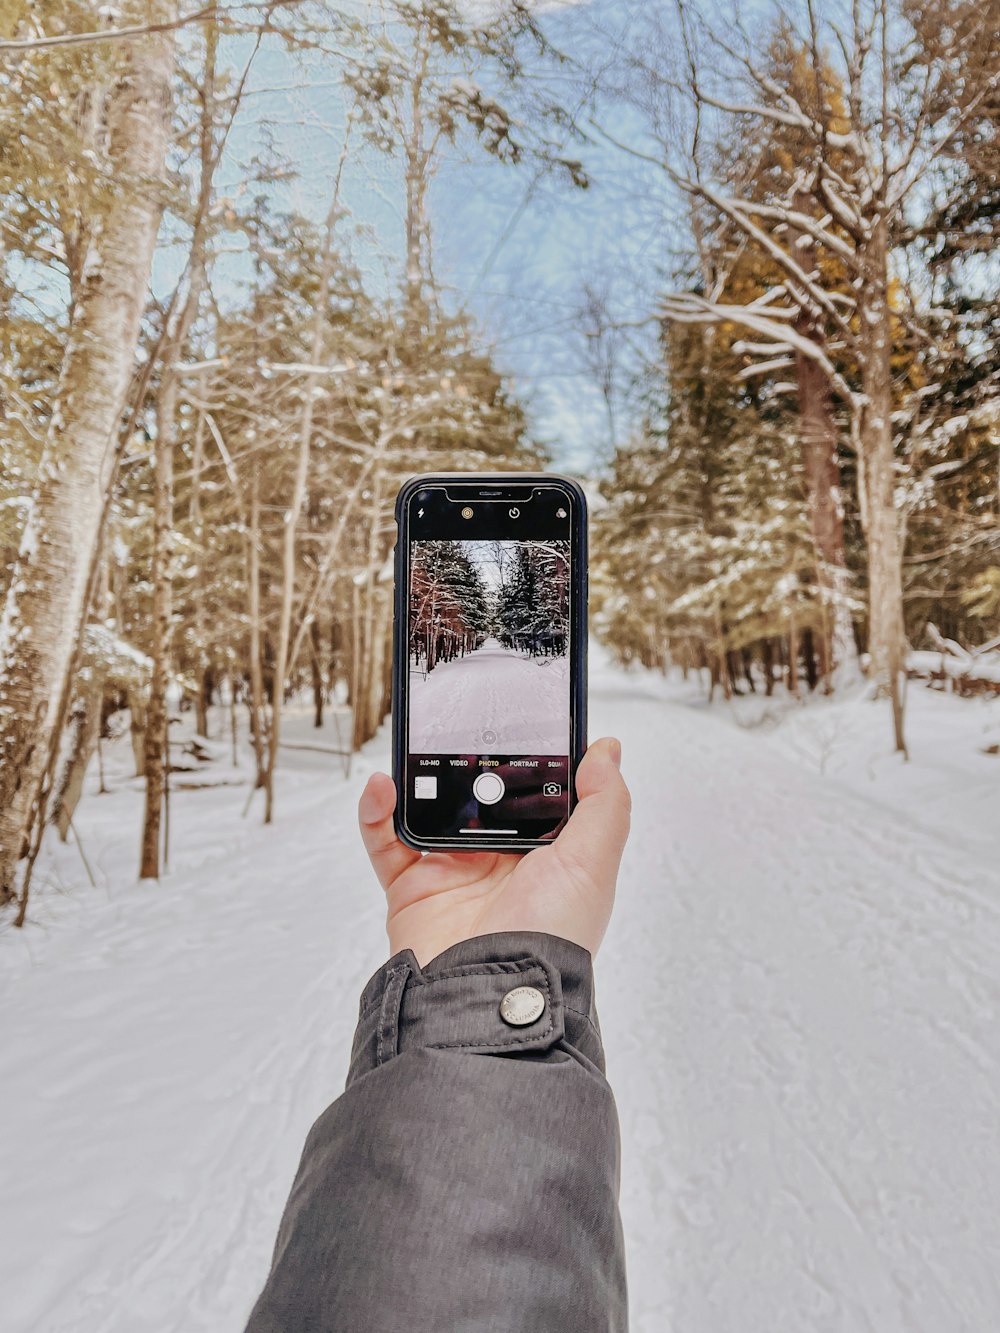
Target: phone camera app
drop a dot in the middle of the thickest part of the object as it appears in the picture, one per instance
(488, 687)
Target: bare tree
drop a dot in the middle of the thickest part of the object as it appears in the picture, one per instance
(212, 133)
(291, 516)
(858, 161)
(45, 603)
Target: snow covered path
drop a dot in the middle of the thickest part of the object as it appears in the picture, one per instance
(523, 701)
(814, 1145)
(798, 995)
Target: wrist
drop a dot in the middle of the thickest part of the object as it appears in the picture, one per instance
(453, 1002)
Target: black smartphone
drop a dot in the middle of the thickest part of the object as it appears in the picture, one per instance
(489, 659)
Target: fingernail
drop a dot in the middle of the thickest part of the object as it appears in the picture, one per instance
(615, 750)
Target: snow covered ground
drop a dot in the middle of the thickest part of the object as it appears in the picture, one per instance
(798, 993)
(521, 702)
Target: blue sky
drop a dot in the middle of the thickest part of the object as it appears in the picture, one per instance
(514, 249)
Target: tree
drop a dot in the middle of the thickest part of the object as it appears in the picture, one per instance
(47, 598)
(450, 610)
(704, 544)
(855, 175)
(533, 600)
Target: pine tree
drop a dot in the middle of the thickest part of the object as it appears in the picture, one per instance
(450, 607)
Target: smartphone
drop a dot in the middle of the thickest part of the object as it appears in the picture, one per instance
(489, 692)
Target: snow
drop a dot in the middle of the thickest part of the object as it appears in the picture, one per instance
(523, 700)
(797, 993)
(967, 667)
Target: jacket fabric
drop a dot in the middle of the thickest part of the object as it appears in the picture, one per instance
(467, 1179)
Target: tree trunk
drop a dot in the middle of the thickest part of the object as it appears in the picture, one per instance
(203, 701)
(317, 674)
(381, 648)
(86, 720)
(202, 629)
(767, 661)
(821, 478)
(157, 722)
(233, 733)
(137, 730)
(809, 656)
(877, 484)
(177, 331)
(45, 602)
(291, 517)
(256, 666)
(746, 657)
(793, 657)
(417, 161)
(724, 677)
(369, 660)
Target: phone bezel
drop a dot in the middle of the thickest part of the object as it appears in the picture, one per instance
(508, 485)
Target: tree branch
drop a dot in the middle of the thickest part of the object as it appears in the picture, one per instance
(217, 12)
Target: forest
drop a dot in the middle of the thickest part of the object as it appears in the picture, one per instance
(733, 266)
(454, 607)
(214, 376)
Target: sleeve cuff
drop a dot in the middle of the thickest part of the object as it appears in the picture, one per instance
(454, 1001)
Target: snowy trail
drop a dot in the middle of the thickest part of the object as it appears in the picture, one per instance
(798, 996)
(815, 1145)
(523, 701)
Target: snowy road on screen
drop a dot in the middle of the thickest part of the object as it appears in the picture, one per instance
(521, 701)
(798, 996)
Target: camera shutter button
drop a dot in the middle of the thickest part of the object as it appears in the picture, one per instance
(488, 788)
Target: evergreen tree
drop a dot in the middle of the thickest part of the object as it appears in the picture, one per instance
(450, 607)
(533, 601)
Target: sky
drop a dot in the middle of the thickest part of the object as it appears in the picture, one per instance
(520, 250)
(515, 248)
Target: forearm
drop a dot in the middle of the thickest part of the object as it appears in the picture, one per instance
(467, 1179)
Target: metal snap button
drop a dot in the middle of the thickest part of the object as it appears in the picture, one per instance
(522, 1005)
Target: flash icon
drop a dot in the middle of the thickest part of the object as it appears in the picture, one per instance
(420, 513)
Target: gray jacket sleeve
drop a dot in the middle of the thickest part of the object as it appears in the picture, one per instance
(467, 1179)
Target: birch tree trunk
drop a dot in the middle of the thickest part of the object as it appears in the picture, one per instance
(201, 627)
(877, 482)
(45, 602)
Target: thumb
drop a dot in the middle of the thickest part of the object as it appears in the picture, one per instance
(594, 837)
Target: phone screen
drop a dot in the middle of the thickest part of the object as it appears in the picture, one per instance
(488, 688)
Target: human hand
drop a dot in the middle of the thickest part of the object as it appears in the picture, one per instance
(437, 899)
